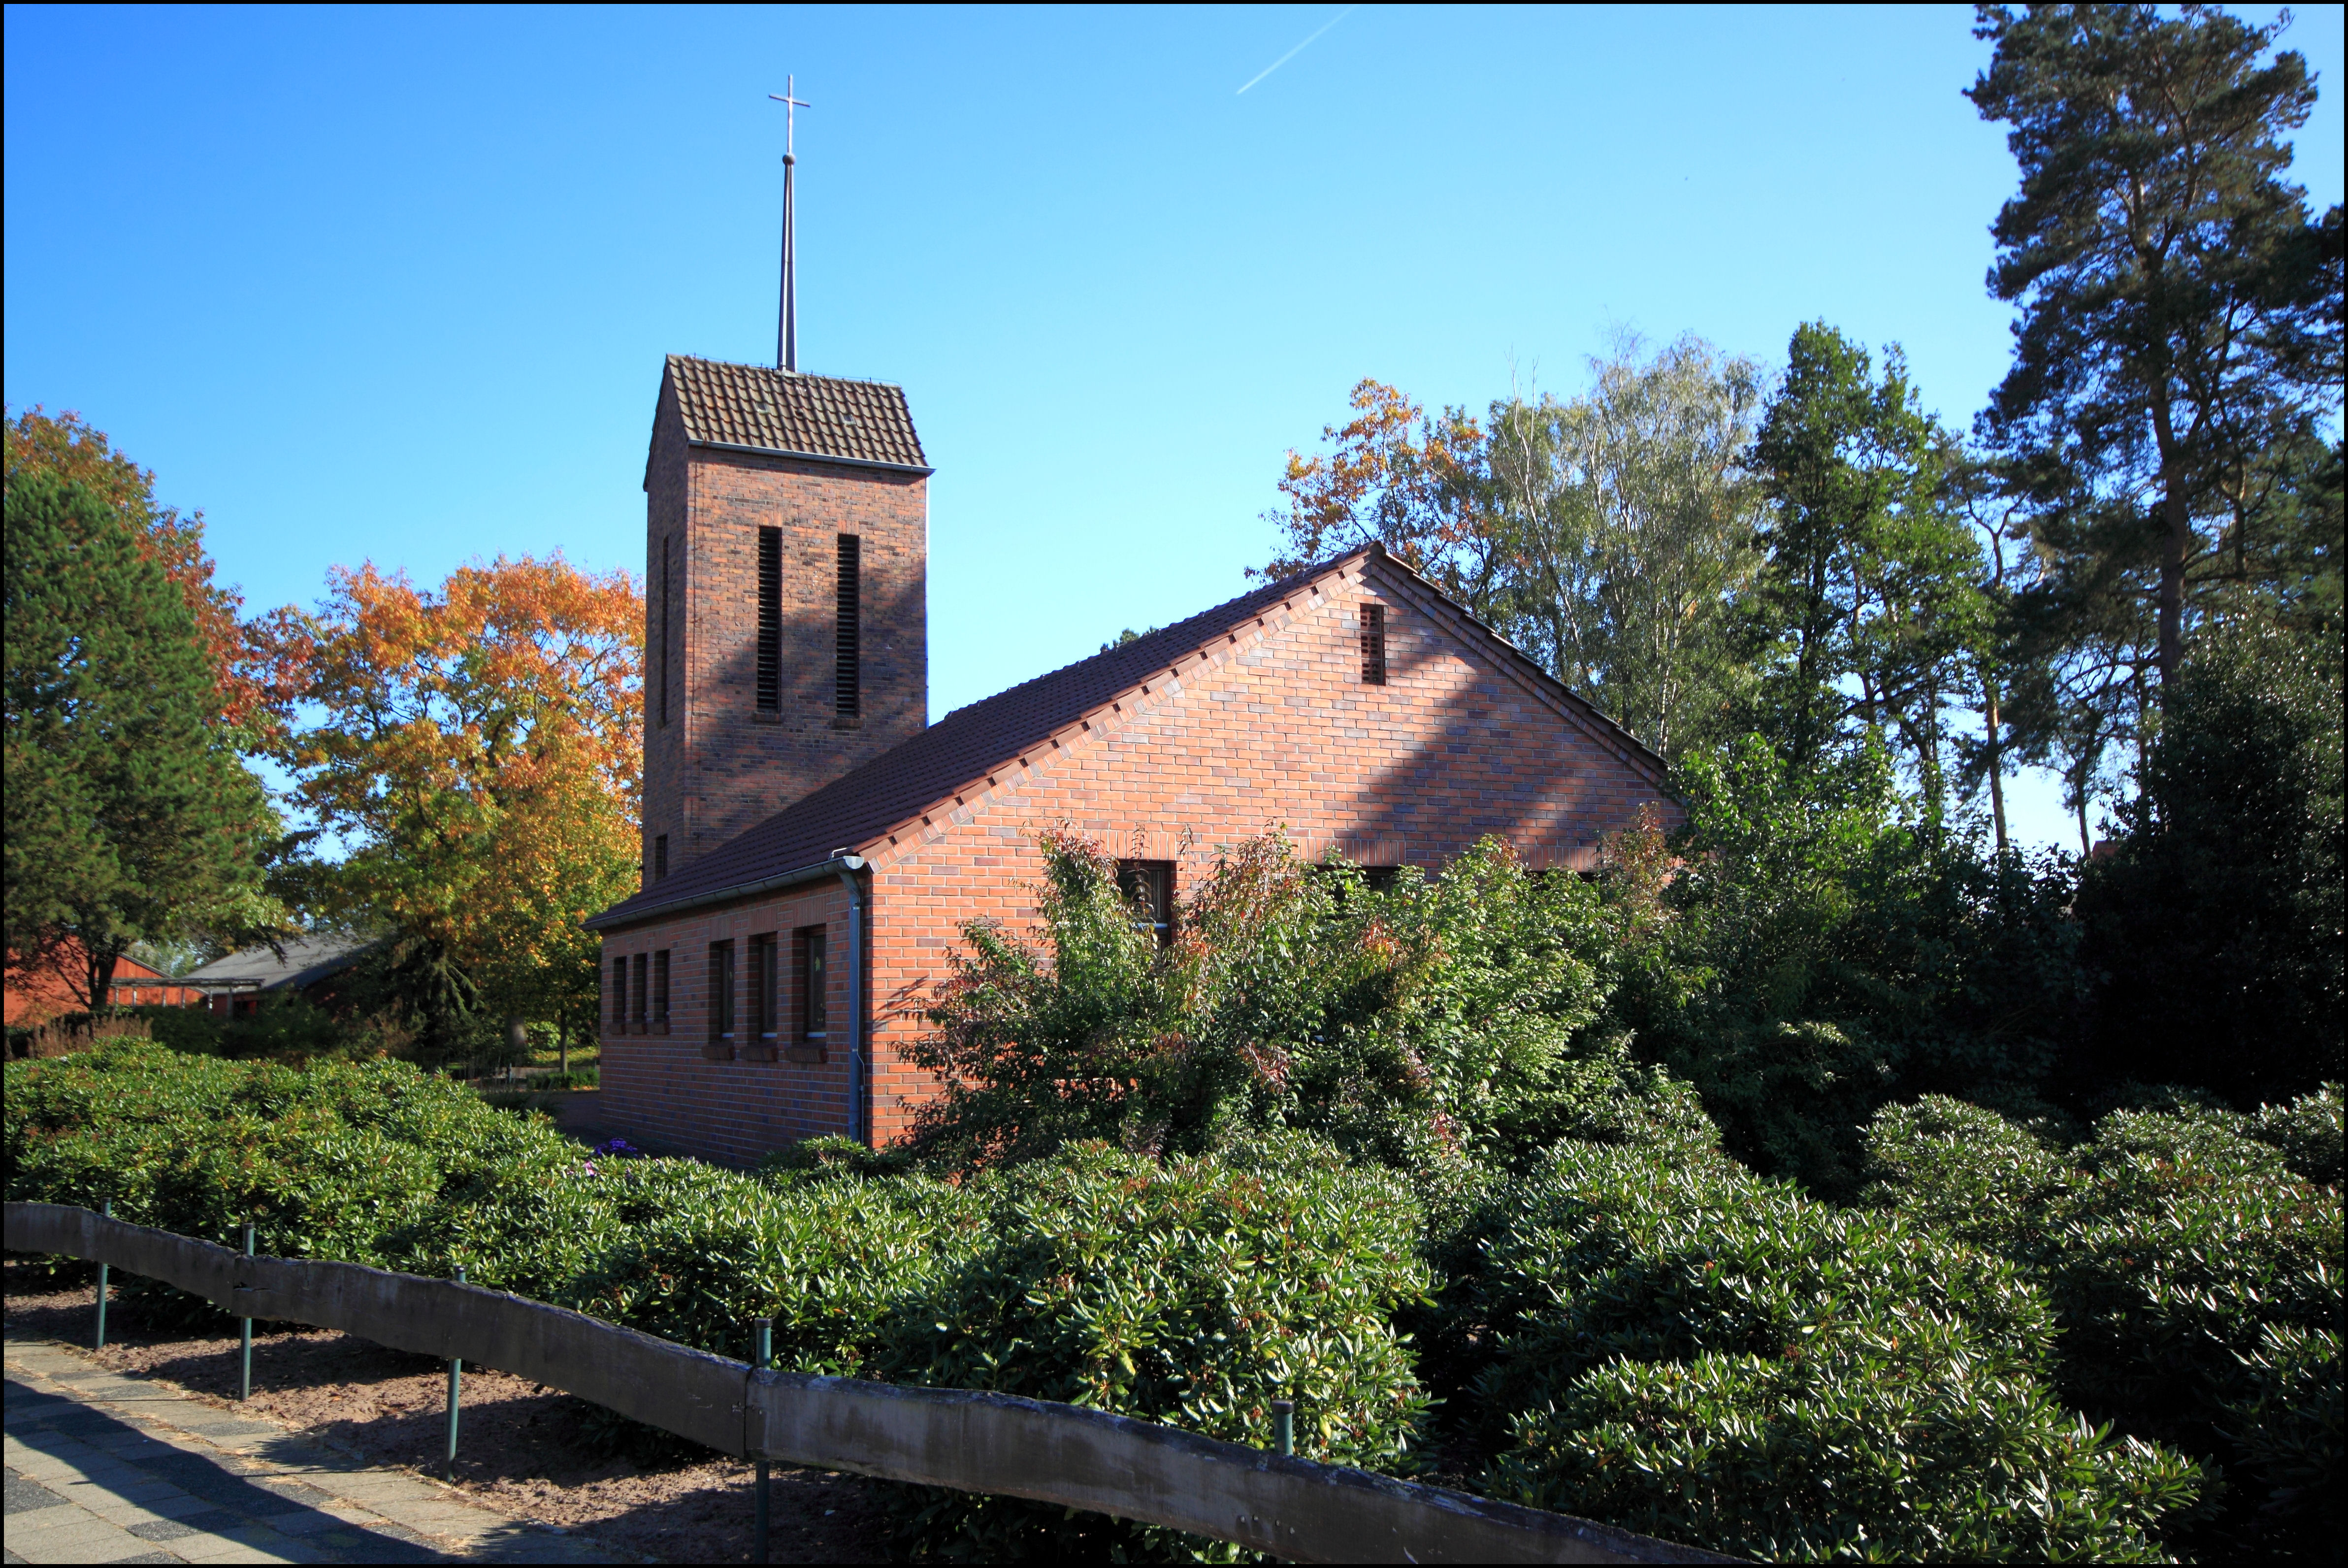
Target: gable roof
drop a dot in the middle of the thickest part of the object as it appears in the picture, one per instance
(755, 408)
(302, 961)
(919, 774)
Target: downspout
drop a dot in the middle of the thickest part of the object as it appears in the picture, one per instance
(859, 1078)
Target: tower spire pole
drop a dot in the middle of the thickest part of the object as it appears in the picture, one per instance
(787, 315)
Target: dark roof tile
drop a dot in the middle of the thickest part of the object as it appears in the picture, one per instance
(773, 410)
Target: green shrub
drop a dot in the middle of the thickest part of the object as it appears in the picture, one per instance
(2195, 1277)
(1193, 1292)
(1694, 1351)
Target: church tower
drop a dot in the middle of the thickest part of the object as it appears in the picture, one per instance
(786, 594)
(785, 583)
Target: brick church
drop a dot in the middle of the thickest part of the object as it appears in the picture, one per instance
(812, 845)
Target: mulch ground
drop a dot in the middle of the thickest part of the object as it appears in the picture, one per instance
(525, 1450)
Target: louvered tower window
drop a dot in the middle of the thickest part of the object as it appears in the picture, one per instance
(849, 631)
(770, 619)
(1374, 645)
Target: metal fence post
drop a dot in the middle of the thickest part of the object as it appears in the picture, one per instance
(763, 1352)
(455, 1393)
(105, 1209)
(1284, 1426)
(245, 1362)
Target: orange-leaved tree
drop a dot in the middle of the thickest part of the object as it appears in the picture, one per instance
(1396, 474)
(476, 752)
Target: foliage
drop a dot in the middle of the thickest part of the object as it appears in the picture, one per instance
(2214, 930)
(478, 750)
(1868, 607)
(1820, 951)
(2194, 1277)
(2179, 310)
(1190, 1291)
(64, 445)
(1696, 1353)
(1450, 1013)
(129, 815)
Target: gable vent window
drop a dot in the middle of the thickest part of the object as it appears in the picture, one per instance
(770, 619)
(1374, 645)
(848, 636)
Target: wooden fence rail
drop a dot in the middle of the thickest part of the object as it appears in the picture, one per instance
(964, 1439)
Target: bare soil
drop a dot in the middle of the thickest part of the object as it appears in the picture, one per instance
(524, 1450)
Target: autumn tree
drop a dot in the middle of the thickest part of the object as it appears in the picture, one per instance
(130, 816)
(476, 751)
(1402, 477)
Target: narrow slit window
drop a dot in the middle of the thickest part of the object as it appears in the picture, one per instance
(812, 980)
(619, 994)
(770, 619)
(637, 998)
(847, 682)
(663, 632)
(762, 987)
(1374, 645)
(721, 991)
(660, 856)
(1148, 886)
(660, 990)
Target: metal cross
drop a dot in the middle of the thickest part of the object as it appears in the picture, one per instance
(791, 106)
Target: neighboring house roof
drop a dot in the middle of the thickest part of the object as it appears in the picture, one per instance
(305, 961)
(923, 773)
(755, 408)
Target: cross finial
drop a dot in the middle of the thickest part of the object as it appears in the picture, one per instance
(791, 106)
(786, 317)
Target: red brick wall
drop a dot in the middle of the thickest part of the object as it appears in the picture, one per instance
(1275, 729)
(720, 767)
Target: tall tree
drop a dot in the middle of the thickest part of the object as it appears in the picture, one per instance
(1869, 606)
(65, 445)
(130, 816)
(1623, 522)
(2179, 312)
(477, 750)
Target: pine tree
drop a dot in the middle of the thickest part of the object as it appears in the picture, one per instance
(129, 815)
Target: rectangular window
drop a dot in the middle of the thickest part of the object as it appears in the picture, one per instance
(619, 993)
(812, 981)
(847, 671)
(770, 619)
(1374, 645)
(636, 1000)
(662, 652)
(1148, 886)
(660, 856)
(660, 991)
(721, 991)
(762, 986)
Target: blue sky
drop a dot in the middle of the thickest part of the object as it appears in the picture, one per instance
(396, 285)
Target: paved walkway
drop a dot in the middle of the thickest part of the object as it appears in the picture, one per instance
(102, 1467)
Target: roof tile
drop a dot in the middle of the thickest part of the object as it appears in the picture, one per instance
(775, 410)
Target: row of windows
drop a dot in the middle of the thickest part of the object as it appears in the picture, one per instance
(752, 999)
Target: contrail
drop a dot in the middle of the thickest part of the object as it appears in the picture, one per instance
(1299, 49)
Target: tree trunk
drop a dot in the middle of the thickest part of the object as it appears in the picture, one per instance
(1996, 757)
(2177, 542)
(562, 1042)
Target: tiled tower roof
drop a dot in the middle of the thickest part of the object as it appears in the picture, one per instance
(769, 410)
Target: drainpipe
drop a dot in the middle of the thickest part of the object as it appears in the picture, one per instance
(859, 1075)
